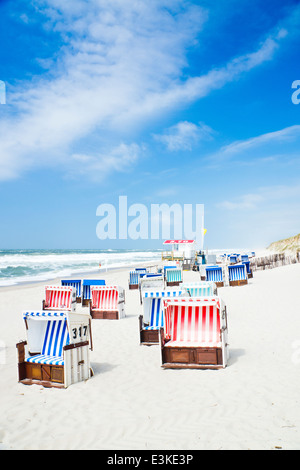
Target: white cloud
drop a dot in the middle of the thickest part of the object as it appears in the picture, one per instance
(184, 135)
(288, 134)
(264, 197)
(98, 166)
(121, 62)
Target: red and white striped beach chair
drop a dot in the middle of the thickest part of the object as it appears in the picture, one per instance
(107, 302)
(194, 333)
(60, 298)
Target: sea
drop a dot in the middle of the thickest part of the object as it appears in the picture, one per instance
(25, 266)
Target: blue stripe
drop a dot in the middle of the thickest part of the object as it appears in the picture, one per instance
(46, 337)
(56, 339)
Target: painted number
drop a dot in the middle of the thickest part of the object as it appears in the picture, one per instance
(79, 332)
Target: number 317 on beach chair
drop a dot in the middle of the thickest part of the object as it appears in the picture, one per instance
(56, 352)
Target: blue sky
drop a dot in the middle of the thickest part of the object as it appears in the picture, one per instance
(163, 101)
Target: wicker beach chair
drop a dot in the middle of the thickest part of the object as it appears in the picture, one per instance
(107, 302)
(152, 319)
(86, 289)
(173, 276)
(134, 277)
(73, 283)
(199, 289)
(151, 281)
(59, 298)
(215, 274)
(194, 333)
(237, 275)
(56, 352)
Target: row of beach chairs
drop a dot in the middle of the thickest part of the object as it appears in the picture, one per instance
(190, 324)
(172, 276)
(238, 274)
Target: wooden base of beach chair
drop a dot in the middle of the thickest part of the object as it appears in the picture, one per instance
(174, 283)
(86, 302)
(193, 358)
(219, 284)
(78, 300)
(105, 314)
(133, 286)
(242, 282)
(41, 374)
(149, 337)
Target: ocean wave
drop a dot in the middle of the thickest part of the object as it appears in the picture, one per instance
(17, 266)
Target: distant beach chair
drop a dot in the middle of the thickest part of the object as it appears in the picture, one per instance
(244, 258)
(237, 275)
(199, 289)
(107, 302)
(134, 277)
(152, 319)
(73, 283)
(194, 333)
(56, 352)
(151, 281)
(248, 269)
(168, 267)
(59, 298)
(173, 276)
(86, 289)
(233, 259)
(215, 274)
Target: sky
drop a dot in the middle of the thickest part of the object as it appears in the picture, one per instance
(161, 101)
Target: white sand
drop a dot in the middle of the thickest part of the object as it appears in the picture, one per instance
(131, 403)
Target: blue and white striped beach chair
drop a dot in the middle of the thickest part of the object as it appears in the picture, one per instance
(199, 289)
(215, 274)
(134, 279)
(173, 276)
(248, 268)
(153, 314)
(73, 283)
(56, 353)
(86, 289)
(244, 258)
(233, 259)
(237, 275)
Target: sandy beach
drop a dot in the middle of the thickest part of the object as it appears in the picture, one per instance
(131, 403)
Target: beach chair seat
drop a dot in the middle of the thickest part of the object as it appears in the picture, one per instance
(215, 274)
(56, 352)
(107, 303)
(76, 283)
(86, 289)
(237, 275)
(173, 276)
(153, 314)
(199, 289)
(59, 298)
(194, 333)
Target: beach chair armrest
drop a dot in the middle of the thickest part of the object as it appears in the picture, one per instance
(75, 345)
(141, 322)
(21, 351)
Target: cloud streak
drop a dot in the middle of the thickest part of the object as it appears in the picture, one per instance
(120, 63)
